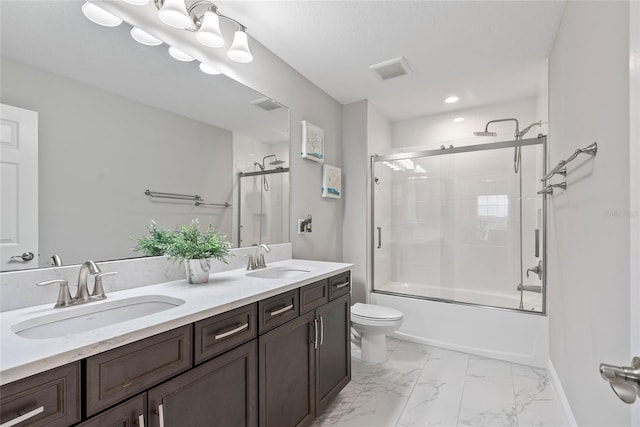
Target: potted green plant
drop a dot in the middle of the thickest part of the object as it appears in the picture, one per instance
(187, 243)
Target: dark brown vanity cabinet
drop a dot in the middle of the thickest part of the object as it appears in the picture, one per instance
(304, 363)
(51, 398)
(131, 413)
(219, 393)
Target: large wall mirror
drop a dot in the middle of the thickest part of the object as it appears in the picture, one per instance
(114, 118)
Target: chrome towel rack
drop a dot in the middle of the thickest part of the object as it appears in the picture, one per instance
(198, 200)
(561, 169)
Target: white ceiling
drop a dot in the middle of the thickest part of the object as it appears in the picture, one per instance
(486, 52)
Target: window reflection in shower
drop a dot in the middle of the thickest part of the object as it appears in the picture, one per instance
(452, 228)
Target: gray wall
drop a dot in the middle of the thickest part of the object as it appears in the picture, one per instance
(589, 225)
(98, 152)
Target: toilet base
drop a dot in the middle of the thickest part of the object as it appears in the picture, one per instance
(374, 348)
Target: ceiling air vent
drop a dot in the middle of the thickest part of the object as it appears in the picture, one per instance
(390, 69)
(266, 104)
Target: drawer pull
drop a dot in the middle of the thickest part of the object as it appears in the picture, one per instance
(342, 285)
(141, 420)
(24, 417)
(321, 330)
(280, 311)
(315, 332)
(231, 332)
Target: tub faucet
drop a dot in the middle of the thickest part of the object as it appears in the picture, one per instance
(86, 268)
(537, 270)
(257, 260)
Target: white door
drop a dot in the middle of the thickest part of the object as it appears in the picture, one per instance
(18, 188)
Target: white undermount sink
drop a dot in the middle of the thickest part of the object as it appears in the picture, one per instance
(87, 317)
(282, 272)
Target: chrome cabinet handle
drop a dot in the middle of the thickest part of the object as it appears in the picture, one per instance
(161, 414)
(26, 257)
(321, 330)
(280, 311)
(315, 331)
(342, 285)
(231, 332)
(141, 420)
(379, 237)
(23, 417)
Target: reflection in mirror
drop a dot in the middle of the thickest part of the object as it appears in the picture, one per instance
(110, 118)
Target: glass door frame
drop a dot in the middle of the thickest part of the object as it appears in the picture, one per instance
(540, 140)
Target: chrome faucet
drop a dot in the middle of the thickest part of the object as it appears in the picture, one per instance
(257, 260)
(537, 270)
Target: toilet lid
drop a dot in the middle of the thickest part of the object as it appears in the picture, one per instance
(372, 311)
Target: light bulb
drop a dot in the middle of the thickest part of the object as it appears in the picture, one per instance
(209, 33)
(99, 16)
(179, 55)
(137, 2)
(208, 69)
(239, 50)
(144, 38)
(174, 13)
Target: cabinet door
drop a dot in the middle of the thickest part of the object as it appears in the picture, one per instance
(287, 374)
(128, 414)
(51, 398)
(219, 393)
(334, 350)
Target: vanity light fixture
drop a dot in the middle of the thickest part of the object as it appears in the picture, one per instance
(99, 16)
(208, 69)
(179, 55)
(144, 38)
(203, 18)
(451, 99)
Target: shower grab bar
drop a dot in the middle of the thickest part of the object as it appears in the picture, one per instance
(198, 200)
(561, 169)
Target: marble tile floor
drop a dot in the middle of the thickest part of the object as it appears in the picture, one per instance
(420, 385)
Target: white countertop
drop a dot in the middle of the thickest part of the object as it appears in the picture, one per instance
(21, 357)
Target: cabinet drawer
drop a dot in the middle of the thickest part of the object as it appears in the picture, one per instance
(313, 296)
(225, 331)
(120, 373)
(277, 310)
(131, 413)
(339, 285)
(51, 398)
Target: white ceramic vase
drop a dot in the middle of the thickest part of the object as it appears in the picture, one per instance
(197, 270)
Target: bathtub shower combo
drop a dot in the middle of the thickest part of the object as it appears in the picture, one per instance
(464, 225)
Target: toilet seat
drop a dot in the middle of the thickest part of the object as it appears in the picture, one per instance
(373, 312)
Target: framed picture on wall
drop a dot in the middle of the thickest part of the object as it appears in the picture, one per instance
(331, 182)
(312, 142)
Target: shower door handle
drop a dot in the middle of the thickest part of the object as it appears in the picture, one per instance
(536, 233)
(379, 237)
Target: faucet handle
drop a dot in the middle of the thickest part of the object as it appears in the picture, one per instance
(64, 296)
(98, 289)
(251, 265)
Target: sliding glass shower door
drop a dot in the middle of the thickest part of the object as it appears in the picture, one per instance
(460, 224)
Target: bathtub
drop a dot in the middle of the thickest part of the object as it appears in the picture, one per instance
(515, 336)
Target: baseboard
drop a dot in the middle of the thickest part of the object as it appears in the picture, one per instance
(560, 395)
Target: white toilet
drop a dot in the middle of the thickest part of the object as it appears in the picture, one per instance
(369, 325)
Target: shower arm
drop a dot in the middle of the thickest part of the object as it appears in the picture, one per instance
(511, 119)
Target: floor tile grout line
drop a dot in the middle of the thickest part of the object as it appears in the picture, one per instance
(464, 386)
(515, 400)
(412, 389)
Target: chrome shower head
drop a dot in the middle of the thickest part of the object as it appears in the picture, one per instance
(276, 162)
(485, 133)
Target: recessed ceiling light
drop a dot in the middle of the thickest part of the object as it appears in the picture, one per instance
(458, 119)
(451, 99)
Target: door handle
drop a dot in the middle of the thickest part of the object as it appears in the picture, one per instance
(26, 257)
(624, 380)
